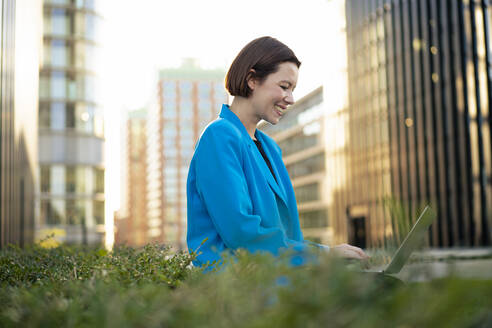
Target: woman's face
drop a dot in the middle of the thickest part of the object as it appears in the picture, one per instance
(271, 97)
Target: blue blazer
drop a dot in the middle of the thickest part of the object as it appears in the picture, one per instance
(232, 197)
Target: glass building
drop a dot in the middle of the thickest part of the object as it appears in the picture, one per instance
(419, 121)
(19, 66)
(188, 98)
(301, 134)
(71, 137)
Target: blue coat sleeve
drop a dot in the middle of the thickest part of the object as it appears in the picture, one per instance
(222, 185)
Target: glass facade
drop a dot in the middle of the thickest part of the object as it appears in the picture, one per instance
(20, 53)
(71, 192)
(419, 123)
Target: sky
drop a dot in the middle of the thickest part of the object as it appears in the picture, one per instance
(139, 37)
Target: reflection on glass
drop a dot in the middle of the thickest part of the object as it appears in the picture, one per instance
(70, 179)
(307, 193)
(45, 178)
(84, 118)
(58, 84)
(307, 166)
(58, 53)
(98, 211)
(99, 180)
(70, 116)
(75, 179)
(314, 219)
(298, 142)
(44, 116)
(75, 211)
(57, 179)
(52, 212)
(60, 23)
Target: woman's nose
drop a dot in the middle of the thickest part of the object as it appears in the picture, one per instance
(289, 98)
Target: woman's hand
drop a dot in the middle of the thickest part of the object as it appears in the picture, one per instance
(349, 251)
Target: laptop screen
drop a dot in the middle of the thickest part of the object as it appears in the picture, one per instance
(412, 241)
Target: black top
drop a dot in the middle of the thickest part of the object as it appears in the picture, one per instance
(262, 152)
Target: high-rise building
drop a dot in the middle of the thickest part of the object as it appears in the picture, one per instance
(20, 57)
(188, 98)
(311, 136)
(419, 122)
(301, 134)
(131, 220)
(70, 196)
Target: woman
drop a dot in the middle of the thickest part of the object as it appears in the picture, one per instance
(239, 192)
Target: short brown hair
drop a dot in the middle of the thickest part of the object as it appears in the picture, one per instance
(263, 55)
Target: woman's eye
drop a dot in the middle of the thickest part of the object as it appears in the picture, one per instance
(284, 87)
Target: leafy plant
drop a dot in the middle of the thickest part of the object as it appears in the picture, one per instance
(152, 287)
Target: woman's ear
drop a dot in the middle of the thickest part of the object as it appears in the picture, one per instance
(251, 80)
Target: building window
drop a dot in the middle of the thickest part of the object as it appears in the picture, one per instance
(84, 118)
(204, 90)
(57, 179)
(58, 116)
(44, 116)
(75, 211)
(60, 22)
(58, 53)
(99, 183)
(300, 141)
(58, 84)
(307, 166)
(314, 219)
(45, 178)
(185, 88)
(307, 193)
(98, 209)
(52, 212)
(70, 116)
(75, 179)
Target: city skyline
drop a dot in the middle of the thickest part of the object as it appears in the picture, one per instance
(156, 39)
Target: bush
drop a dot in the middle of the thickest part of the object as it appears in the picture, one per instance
(150, 287)
(125, 265)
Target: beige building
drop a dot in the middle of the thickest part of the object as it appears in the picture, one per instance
(188, 98)
(131, 221)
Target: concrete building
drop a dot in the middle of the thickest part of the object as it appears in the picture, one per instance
(70, 197)
(19, 68)
(188, 98)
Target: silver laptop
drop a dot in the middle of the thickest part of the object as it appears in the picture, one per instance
(413, 240)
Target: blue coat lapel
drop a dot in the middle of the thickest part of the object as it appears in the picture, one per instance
(278, 189)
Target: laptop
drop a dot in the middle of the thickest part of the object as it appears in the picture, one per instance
(413, 240)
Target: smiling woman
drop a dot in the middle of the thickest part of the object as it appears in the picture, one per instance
(238, 189)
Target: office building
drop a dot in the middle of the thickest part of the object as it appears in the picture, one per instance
(188, 98)
(20, 53)
(418, 121)
(70, 196)
(131, 220)
(301, 134)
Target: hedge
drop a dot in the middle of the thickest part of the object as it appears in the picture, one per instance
(154, 287)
